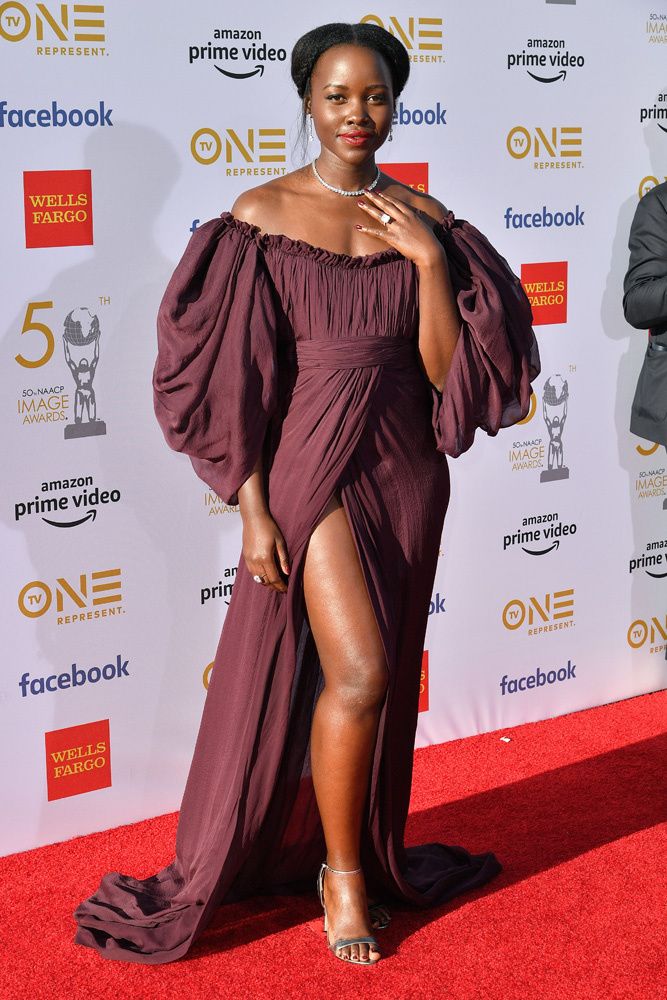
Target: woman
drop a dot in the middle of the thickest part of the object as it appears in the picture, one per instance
(320, 348)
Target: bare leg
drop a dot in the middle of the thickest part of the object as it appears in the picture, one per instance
(345, 719)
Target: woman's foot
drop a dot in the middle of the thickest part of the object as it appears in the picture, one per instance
(347, 915)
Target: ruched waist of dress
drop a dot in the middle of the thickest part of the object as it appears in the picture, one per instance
(354, 352)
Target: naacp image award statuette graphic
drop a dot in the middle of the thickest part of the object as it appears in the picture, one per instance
(554, 407)
(81, 342)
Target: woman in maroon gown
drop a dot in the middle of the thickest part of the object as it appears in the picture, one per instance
(319, 388)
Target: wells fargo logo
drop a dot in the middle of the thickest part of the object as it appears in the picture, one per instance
(415, 175)
(423, 684)
(422, 36)
(545, 285)
(653, 632)
(554, 611)
(78, 759)
(58, 208)
(54, 25)
(242, 157)
(96, 595)
(558, 147)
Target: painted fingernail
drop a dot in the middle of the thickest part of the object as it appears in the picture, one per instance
(357, 227)
(360, 203)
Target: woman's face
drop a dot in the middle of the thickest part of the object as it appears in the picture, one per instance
(351, 91)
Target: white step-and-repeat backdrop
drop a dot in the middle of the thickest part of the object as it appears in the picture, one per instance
(124, 125)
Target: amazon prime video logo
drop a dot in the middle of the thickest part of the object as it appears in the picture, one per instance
(539, 534)
(65, 503)
(652, 561)
(544, 60)
(237, 53)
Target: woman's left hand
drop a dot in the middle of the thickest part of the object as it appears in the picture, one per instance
(407, 233)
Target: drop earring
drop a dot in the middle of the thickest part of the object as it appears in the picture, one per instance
(310, 128)
(391, 133)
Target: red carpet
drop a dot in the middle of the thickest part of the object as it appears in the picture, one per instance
(572, 807)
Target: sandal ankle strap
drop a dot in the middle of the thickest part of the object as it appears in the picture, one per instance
(337, 871)
(340, 871)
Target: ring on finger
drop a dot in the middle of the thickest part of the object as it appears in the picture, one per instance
(386, 218)
(258, 579)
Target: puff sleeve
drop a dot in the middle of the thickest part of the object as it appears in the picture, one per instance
(496, 356)
(215, 377)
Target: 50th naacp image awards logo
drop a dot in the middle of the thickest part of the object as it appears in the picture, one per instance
(50, 402)
(554, 407)
(656, 28)
(536, 453)
(650, 482)
(81, 342)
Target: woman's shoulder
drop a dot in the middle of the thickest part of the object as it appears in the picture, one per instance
(260, 206)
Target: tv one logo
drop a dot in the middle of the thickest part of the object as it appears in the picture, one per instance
(556, 147)
(648, 183)
(61, 22)
(96, 595)
(653, 632)
(552, 612)
(421, 34)
(263, 145)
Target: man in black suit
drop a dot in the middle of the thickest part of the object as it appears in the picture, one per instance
(645, 307)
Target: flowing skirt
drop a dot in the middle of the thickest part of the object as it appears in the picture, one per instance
(359, 421)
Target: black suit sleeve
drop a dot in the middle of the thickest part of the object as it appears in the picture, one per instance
(645, 284)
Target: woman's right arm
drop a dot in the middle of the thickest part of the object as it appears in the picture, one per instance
(262, 537)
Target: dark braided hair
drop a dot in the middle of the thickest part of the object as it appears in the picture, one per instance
(314, 43)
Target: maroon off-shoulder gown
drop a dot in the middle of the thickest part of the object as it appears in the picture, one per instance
(266, 343)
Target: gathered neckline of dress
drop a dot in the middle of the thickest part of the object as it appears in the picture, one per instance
(298, 247)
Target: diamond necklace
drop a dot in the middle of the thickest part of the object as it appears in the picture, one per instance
(348, 194)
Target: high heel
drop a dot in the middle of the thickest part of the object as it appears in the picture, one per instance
(380, 916)
(343, 942)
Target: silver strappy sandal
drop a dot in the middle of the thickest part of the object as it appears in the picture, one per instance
(343, 942)
(380, 916)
